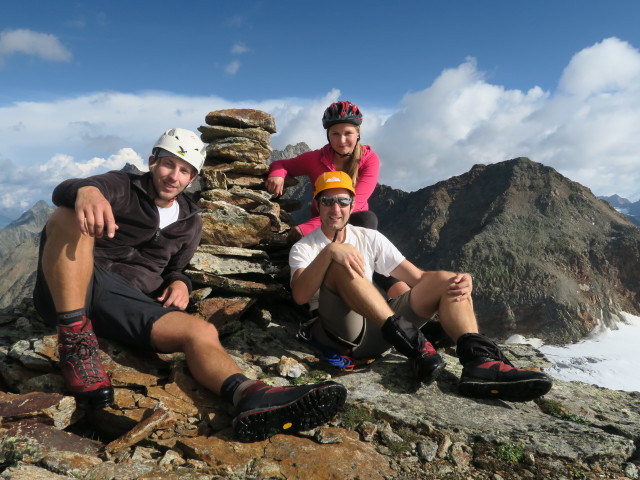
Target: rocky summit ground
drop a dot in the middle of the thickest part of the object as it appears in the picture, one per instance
(164, 426)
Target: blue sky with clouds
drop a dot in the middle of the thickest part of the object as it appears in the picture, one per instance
(87, 86)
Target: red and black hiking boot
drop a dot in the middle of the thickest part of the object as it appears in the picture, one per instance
(490, 378)
(264, 411)
(80, 363)
(429, 365)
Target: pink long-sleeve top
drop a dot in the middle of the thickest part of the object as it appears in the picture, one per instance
(314, 163)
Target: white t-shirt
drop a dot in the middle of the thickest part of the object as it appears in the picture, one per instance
(378, 252)
(168, 215)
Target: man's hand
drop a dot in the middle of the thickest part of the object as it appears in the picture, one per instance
(274, 185)
(461, 287)
(94, 213)
(175, 295)
(347, 256)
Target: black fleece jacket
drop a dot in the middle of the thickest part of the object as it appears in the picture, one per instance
(148, 257)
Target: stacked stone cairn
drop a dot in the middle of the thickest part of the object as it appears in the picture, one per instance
(241, 260)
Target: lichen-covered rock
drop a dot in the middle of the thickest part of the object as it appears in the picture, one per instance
(242, 118)
(234, 227)
(211, 133)
(237, 149)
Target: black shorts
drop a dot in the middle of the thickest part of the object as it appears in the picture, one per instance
(117, 309)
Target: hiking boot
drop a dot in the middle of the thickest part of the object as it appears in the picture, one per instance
(429, 365)
(80, 363)
(409, 340)
(433, 331)
(264, 411)
(490, 378)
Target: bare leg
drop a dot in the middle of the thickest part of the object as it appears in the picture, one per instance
(67, 260)
(358, 293)
(261, 410)
(430, 296)
(67, 264)
(397, 289)
(208, 362)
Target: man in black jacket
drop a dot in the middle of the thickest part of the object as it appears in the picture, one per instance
(114, 251)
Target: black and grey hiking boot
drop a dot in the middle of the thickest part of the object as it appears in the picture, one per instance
(264, 411)
(426, 363)
(487, 373)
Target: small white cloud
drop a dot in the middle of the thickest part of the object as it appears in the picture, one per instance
(239, 49)
(23, 186)
(232, 68)
(79, 23)
(610, 65)
(42, 45)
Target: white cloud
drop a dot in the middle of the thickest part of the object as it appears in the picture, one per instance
(588, 132)
(611, 65)
(232, 68)
(23, 186)
(239, 49)
(301, 121)
(42, 45)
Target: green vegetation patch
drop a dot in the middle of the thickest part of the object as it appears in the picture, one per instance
(555, 409)
(314, 376)
(510, 453)
(354, 415)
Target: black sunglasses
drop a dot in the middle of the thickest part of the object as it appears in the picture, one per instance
(342, 201)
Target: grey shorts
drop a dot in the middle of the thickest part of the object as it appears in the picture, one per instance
(117, 309)
(348, 332)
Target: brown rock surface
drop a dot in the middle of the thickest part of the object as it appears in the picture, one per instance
(242, 118)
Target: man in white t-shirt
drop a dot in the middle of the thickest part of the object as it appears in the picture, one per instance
(331, 269)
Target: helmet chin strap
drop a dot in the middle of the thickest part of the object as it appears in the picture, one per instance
(335, 236)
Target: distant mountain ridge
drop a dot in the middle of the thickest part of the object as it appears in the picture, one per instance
(631, 210)
(19, 252)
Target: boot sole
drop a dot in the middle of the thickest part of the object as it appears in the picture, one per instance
(520, 391)
(97, 399)
(312, 409)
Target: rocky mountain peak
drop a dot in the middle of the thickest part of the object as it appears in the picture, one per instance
(549, 259)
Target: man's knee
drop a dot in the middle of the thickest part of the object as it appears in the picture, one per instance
(334, 275)
(202, 331)
(61, 216)
(179, 331)
(63, 223)
(439, 280)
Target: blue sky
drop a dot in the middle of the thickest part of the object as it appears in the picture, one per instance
(88, 86)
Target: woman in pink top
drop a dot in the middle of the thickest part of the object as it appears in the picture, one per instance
(343, 152)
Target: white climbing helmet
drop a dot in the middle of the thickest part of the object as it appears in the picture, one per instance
(183, 144)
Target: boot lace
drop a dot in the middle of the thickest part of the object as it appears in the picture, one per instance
(81, 351)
